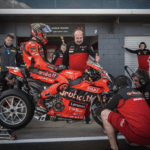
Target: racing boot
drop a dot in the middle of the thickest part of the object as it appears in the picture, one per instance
(40, 106)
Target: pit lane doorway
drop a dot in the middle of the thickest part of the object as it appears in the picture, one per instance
(55, 42)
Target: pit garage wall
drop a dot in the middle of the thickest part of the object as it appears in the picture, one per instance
(109, 45)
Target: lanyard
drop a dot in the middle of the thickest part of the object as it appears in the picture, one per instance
(8, 51)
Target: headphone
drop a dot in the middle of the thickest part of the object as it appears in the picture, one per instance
(141, 79)
(78, 30)
(144, 44)
(115, 88)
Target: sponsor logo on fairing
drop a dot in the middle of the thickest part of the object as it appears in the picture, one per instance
(48, 74)
(74, 96)
(16, 70)
(77, 105)
(92, 89)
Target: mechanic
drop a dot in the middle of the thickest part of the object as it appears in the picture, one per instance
(76, 56)
(37, 65)
(9, 56)
(132, 119)
(143, 56)
(142, 83)
(58, 55)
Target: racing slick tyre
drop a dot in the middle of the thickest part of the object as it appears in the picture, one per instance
(16, 109)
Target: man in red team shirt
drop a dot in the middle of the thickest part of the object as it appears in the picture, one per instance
(133, 119)
(58, 55)
(76, 56)
(143, 56)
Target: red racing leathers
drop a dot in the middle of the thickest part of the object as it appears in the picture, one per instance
(40, 69)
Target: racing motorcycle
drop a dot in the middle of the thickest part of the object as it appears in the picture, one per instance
(17, 107)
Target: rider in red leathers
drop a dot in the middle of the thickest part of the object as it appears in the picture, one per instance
(38, 67)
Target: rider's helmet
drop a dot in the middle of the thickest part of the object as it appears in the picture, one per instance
(37, 30)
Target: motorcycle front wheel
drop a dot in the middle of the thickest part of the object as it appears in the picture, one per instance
(16, 109)
(95, 117)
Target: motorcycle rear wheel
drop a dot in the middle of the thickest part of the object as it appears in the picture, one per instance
(16, 109)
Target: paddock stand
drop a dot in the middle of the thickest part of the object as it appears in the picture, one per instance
(5, 134)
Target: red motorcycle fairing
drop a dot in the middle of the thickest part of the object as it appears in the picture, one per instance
(15, 71)
(72, 109)
(85, 86)
(71, 74)
(93, 66)
(42, 78)
(102, 83)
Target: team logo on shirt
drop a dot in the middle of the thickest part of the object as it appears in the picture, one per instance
(134, 93)
(61, 55)
(146, 94)
(145, 52)
(71, 49)
(82, 46)
(12, 50)
(122, 122)
(139, 53)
